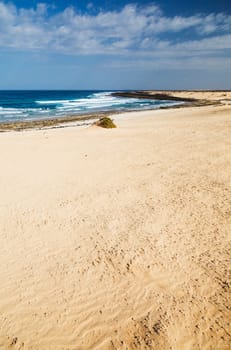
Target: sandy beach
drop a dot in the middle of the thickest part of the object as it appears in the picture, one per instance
(118, 239)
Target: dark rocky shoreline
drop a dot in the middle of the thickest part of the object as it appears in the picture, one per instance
(50, 123)
(153, 96)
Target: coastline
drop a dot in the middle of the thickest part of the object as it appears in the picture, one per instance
(152, 95)
(50, 122)
(86, 119)
(118, 239)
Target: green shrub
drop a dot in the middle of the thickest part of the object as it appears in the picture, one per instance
(106, 122)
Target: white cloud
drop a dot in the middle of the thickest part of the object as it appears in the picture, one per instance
(214, 43)
(171, 63)
(132, 30)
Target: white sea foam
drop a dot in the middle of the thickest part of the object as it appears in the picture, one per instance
(95, 101)
(7, 113)
(50, 102)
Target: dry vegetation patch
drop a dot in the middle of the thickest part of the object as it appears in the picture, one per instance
(106, 122)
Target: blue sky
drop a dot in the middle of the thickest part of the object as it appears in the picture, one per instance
(112, 44)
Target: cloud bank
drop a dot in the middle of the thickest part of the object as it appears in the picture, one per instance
(133, 30)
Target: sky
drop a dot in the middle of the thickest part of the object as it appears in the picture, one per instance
(111, 45)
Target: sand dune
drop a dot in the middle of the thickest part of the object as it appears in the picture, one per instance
(118, 239)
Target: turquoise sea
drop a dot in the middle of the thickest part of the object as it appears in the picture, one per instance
(30, 105)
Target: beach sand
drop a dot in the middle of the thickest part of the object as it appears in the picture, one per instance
(118, 239)
(209, 95)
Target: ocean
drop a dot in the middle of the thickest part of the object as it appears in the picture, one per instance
(31, 105)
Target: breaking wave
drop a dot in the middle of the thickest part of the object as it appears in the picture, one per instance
(24, 105)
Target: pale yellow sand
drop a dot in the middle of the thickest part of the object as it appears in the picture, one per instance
(222, 96)
(117, 239)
